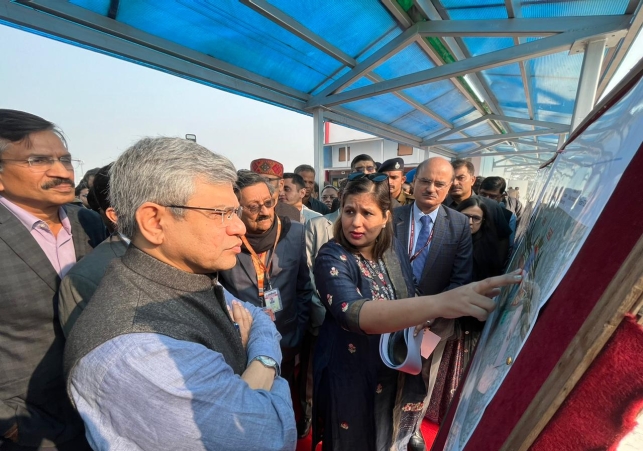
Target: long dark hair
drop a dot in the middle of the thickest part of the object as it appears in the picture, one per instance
(487, 224)
(488, 260)
(380, 194)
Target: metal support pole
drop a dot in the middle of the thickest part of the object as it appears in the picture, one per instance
(318, 140)
(588, 83)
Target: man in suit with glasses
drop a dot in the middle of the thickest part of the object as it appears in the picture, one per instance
(271, 270)
(41, 237)
(439, 245)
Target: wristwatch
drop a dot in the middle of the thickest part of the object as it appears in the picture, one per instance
(268, 362)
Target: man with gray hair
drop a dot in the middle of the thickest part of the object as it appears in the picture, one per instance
(160, 359)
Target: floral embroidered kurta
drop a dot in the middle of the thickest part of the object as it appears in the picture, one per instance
(354, 397)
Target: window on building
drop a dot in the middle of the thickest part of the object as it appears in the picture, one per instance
(344, 154)
(403, 150)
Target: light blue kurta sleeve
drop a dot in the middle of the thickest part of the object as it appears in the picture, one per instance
(151, 392)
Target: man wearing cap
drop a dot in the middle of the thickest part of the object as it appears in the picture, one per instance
(394, 168)
(273, 172)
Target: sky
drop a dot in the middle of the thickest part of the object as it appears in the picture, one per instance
(104, 105)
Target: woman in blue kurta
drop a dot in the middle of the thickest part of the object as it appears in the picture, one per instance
(358, 402)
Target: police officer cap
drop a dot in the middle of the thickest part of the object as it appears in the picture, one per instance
(394, 164)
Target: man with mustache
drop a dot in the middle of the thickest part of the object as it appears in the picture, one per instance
(41, 237)
(438, 240)
(271, 270)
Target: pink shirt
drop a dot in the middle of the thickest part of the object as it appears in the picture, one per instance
(58, 249)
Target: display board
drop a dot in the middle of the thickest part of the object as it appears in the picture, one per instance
(577, 188)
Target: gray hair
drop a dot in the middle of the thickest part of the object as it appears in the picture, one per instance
(163, 171)
(247, 178)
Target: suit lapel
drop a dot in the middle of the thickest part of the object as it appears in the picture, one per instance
(19, 239)
(402, 217)
(394, 270)
(76, 236)
(439, 233)
(246, 263)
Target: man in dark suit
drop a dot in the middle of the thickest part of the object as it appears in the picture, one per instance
(271, 270)
(80, 283)
(462, 189)
(41, 238)
(439, 243)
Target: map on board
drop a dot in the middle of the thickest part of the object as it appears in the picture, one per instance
(577, 187)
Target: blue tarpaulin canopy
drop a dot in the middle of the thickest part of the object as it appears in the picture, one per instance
(459, 77)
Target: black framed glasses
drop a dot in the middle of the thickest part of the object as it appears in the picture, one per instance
(368, 169)
(256, 208)
(226, 214)
(374, 177)
(39, 163)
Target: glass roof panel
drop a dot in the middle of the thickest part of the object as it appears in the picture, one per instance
(359, 83)
(418, 123)
(475, 9)
(479, 46)
(408, 61)
(330, 81)
(234, 33)
(426, 93)
(555, 82)
(384, 108)
(386, 38)
(506, 84)
(530, 8)
(471, 116)
(451, 105)
(481, 129)
(330, 20)
(462, 147)
(98, 6)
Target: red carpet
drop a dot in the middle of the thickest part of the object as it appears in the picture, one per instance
(429, 431)
(602, 408)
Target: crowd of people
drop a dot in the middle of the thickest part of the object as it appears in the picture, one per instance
(170, 301)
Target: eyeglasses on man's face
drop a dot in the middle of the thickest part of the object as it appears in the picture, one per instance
(365, 168)
(38, 163)
(255, 208)
(226, 214)
(425, 183)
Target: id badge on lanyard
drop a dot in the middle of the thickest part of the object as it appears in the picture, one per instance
(270, 298)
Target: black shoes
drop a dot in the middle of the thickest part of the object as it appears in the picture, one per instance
(416, 443)
(303, 427)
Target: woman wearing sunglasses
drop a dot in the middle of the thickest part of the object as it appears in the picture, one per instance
(356, 273)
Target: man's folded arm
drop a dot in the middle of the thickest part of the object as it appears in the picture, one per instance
(125, 383)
